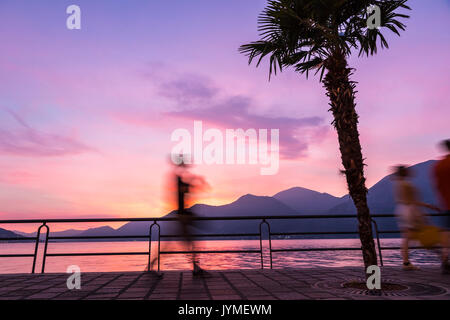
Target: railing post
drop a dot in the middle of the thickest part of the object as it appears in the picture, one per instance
(38, 236)
(150, 245)
(159, 248)
(270, 244)
(45, 247)
(149, 248)
(378, 240)
(260, 242)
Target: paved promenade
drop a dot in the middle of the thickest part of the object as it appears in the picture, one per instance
(278, 284)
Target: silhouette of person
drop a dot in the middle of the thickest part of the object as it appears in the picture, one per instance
(412, 221)
(186, 182)
(183, 186)
(441, 173)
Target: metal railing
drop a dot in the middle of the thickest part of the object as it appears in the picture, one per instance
(263, 220)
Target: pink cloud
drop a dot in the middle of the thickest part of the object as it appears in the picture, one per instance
(235, 113)
(193, 97)
(27, 141)
(188, 89)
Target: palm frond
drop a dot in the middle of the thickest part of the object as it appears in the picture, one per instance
(304, 33)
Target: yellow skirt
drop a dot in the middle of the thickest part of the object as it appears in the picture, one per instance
(428, 236)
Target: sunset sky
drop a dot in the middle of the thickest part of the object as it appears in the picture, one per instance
(86, 116)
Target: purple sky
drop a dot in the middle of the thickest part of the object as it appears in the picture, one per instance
(86, 116)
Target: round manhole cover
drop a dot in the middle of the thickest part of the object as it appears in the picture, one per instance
(388, 288)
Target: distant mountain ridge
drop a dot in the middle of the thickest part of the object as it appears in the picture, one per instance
(8, 234)
(294, 201)
(307, 201)
(380, 197)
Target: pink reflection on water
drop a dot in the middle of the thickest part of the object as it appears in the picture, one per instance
(207, 261)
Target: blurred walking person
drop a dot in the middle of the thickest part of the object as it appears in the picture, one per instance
(186, 184)
(183, 184)
(442, 181)
(413, 223)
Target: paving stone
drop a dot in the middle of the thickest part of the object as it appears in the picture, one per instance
(285, 284)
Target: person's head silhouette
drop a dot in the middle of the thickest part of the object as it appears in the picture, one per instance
(446, 145)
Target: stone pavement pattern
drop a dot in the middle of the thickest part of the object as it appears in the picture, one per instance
(277, 284)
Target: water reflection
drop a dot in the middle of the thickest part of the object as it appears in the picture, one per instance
(207, 261)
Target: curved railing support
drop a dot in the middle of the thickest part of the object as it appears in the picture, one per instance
(155, 223)
(36, 247)
(261, 245)
(378, 240)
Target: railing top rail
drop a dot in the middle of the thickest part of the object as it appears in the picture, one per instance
(278, 217)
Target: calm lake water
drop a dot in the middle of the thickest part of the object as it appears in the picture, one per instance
(207, 261)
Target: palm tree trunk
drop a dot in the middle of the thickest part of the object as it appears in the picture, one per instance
(341, 91)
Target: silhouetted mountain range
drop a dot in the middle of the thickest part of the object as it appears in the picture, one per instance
(381, 197)
(308, 201)
(294, 201)
(8, 234)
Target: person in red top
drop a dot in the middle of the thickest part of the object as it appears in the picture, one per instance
(442, 177)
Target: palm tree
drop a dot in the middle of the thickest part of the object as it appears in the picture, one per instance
(320, 35)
